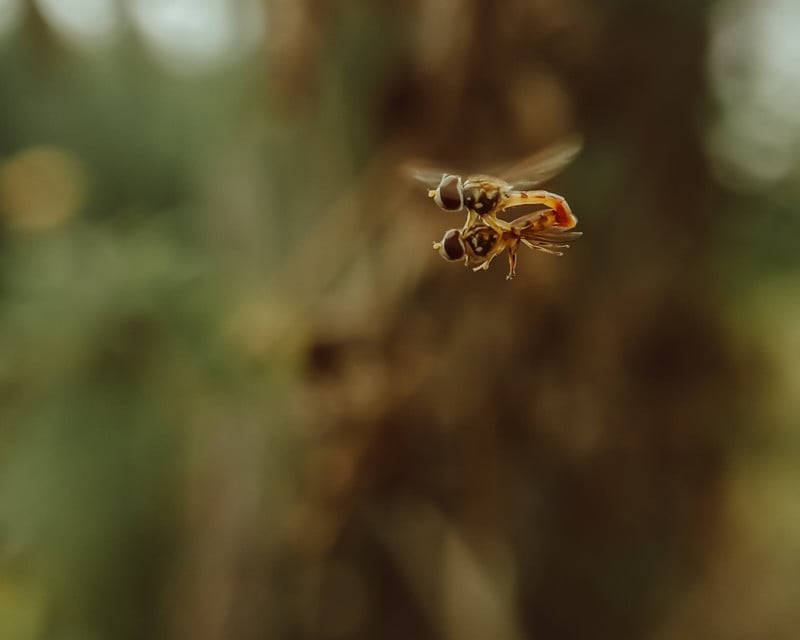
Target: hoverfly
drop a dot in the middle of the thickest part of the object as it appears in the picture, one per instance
(478, 244)
(484, 196)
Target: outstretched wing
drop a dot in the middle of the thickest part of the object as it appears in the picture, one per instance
(528, 221)
(524, 174)
(542, 165)
(427, 175)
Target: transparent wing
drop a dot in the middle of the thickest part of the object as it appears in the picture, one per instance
(430, 174)
(554, 235)
(542, 165)
(427, 175)
(524, 174)
(523, 222)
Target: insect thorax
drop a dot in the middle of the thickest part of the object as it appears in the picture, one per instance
(481, 198)
(481, 240)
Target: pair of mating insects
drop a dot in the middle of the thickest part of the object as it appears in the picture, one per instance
(484, 236)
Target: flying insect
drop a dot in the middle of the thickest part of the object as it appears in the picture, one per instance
(479, 243)
(484, 196)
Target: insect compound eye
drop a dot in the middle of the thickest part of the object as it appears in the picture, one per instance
(452, 247)
(449, 195)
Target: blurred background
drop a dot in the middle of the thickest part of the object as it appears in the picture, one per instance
(242, 398)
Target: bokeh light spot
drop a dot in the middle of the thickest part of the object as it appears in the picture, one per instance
(190, 35)
(753, 67)
(40, 188)
(9, 15)
(82, 21)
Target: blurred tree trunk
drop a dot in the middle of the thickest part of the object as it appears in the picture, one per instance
(568, 430)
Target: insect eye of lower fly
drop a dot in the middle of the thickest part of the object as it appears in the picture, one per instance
(452, 247)
(449, 195)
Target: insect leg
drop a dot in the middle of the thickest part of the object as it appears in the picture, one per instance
(493, 253)
(512, 261)
(491, 220)
(472, 218)
(546, 247)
